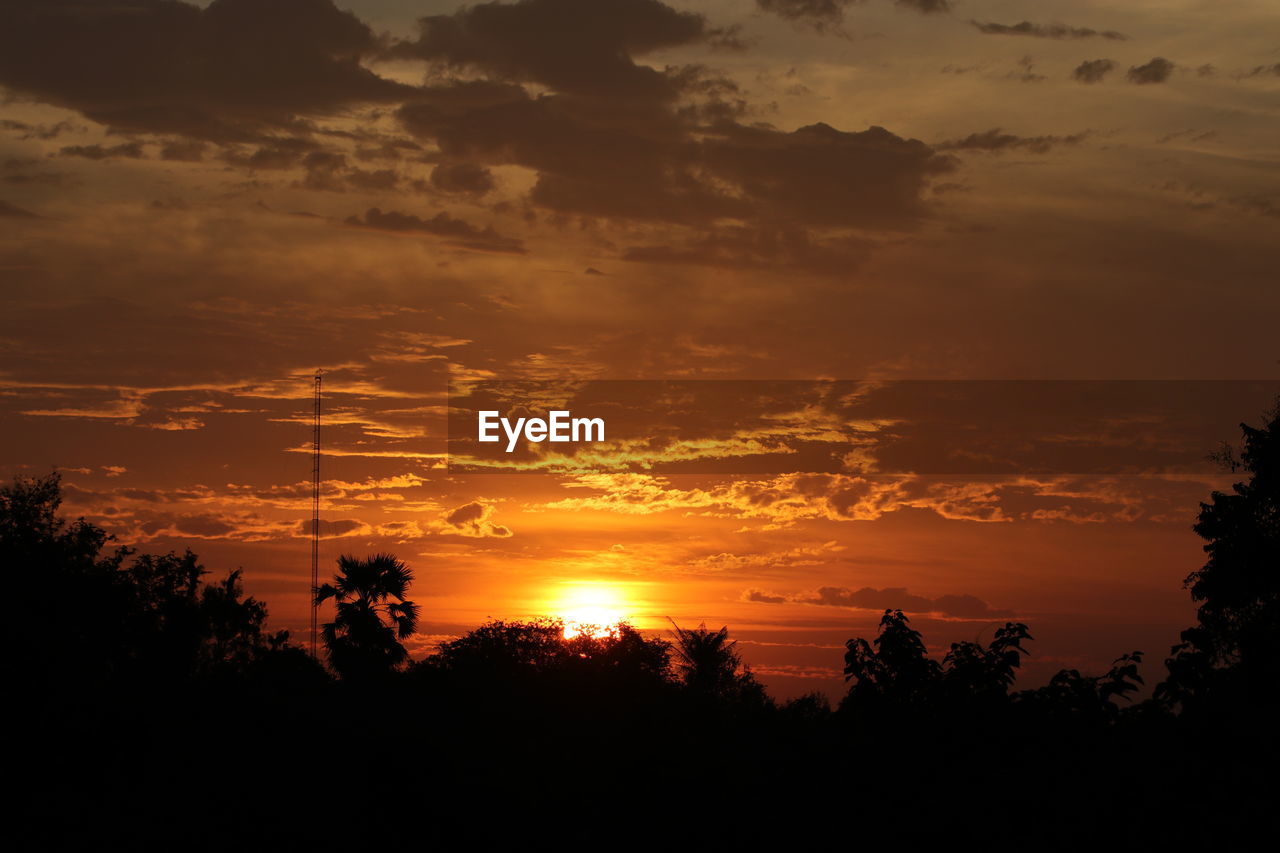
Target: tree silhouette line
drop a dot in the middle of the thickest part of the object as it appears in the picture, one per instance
(143, 687)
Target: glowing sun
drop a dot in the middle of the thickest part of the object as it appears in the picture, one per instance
(592, 609)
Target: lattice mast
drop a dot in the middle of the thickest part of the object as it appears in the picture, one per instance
(315, 512)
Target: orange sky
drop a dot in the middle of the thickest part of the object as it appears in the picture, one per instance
(202, 203)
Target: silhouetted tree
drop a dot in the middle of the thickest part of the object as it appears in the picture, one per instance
(499, 650)
(971, 672)
(895, 669)
(1236, 646)
(69, 624)
(233, 626)
(707, 663)
(623, 653)
(1088, 698)
(894, 673)
(149, 621)
(372, 617)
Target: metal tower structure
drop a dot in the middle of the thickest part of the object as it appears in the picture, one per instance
(315, 511)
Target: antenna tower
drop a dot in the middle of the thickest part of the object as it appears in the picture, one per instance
(315, 511)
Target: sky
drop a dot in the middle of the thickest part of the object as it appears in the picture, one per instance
(204, 203)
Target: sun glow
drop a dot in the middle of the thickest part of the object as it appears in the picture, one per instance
(591, 609)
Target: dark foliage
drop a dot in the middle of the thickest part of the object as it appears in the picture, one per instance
(1235, 648)
(372, 617)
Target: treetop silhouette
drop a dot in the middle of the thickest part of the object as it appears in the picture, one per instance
(373, 615)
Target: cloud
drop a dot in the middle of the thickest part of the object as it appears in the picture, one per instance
(183, 150)
(236, 69)
(172, 424)
(825, 15)
(462, 178)
(995, 140)
(582, 47)
(759, 595)
(129, 150)
(1155, 71)
(459, 231)
(925, 7)
(38, 131)
(789, 558)
(890, 598)
(819, 14)
(1261, 71)
(335, 529)
(1046, 31)
(140, 525)
(820, 175)
(644, 162)
(474, 520)
(1093, 70)
(641, 154)
(15, 212)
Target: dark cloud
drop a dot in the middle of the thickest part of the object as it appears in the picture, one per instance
(995, 140)
(560, 93)
(280, 154)
(13, 211)
(372, 180)
(232, 70)
(330, 529)
(820, 175)
(1155, 71)
(21, 171)
(458, 231)
(1092, 70)
(204, 526)
(1046, 31)
(183, 150)
(890, 598)
(462, 178)
(322, 169)
(829, 14)
(578, 46)
(762, 597)
(1262, 71)
(629, 159)
(474, 519)
(1026, 72)
(128, 150)
(37, 131)
(466, 514)
(897, 598)
(642, 160)
(819, 14)
(925, 7)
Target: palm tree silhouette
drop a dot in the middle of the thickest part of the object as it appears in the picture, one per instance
(707, 660)
(364, 638)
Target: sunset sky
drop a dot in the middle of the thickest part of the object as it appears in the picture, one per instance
(203, 203)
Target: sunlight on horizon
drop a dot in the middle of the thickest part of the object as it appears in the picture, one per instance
(594, 608)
